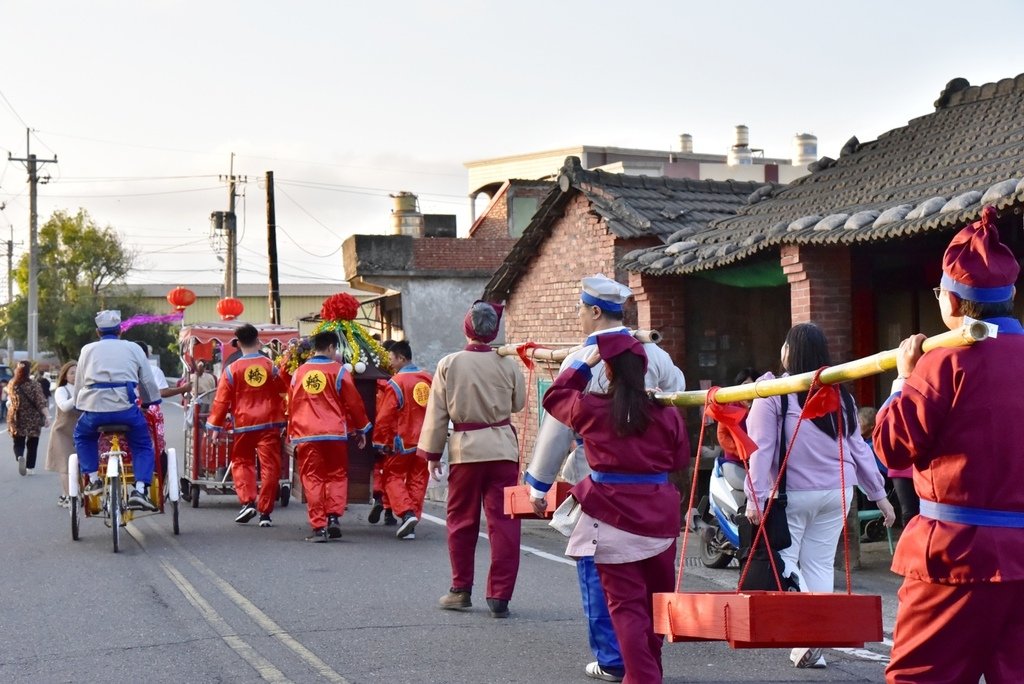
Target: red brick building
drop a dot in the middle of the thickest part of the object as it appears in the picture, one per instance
(587, 225)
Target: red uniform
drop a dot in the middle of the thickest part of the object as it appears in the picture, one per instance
(400, 410)
(957, 423)
(252, 390)
(324, 408)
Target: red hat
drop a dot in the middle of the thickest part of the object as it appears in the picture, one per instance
(977, 266)
(611, 345)
(477, 318)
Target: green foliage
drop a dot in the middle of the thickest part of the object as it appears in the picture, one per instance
(82, 268)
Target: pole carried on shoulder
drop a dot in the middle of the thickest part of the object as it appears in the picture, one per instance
(963, 336)
(540, 353)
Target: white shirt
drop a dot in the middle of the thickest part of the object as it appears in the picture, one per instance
(116, 361)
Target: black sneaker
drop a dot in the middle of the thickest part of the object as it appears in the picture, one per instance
(137, 501)
(319, 536)
(498, 607)
(247, 513)
(389, 518)
(408, 525)
(265, 520)
(333, 527)
(378, 507)
(94, 488)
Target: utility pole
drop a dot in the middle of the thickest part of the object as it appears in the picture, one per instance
(274, 297)
(229, 225)
(32, 164)
(10, 293)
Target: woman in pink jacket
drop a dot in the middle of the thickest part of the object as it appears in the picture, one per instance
(814, 509)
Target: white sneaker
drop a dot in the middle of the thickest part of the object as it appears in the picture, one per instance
(595, 671)
(22, 467)
(805, 658)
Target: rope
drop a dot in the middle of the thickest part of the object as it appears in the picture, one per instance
(842, 488)
(693, 491)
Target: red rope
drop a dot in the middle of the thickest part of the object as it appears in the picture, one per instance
(842, 488)
(693, 493)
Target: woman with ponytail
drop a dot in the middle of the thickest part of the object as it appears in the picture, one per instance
(630, 511)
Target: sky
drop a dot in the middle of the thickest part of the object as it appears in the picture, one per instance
(144, 103)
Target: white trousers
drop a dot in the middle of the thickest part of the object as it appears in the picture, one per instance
(816, 519)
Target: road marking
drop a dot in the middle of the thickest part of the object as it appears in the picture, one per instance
(263, 666)
(522, 547)
(864, 654)
(260, 618)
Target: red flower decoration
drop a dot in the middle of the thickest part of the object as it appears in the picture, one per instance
(339, 307)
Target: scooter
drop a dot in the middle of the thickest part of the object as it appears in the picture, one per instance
(715, 518)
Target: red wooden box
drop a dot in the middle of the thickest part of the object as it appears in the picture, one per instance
(517, 500)
(770, 619)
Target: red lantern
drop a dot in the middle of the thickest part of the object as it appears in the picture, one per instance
(181, 298)
(230, 308)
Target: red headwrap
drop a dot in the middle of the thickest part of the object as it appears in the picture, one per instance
(611, 345)
(467, 322)
(977, 266)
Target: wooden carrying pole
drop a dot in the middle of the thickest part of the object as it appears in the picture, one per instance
(558, 355)
(852, 370)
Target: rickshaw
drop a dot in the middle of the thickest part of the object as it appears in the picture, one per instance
(111, 504)
(208, 452)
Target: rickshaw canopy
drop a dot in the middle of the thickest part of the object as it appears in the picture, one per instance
(224, 331)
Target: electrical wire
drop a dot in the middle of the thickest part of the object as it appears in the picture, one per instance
(310, 215)
(13, 110)
(134, 194)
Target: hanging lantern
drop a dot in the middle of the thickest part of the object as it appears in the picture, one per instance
(181, 298)
(229, 308)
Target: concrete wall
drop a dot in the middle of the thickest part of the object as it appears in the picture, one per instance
(432, 313)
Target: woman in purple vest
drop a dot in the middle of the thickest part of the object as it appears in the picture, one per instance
(630, 519)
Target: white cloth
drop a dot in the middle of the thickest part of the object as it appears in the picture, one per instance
(816, 519)
(608, 544)
(113, 361)
(555, 448)
(604, 288)
(158, 376)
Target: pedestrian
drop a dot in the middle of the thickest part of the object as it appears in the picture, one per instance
(901, 478)
(204, 385)
(325, 411)
(3, 400)
(252, 391)
(478, 391)
(630, 511)
(399, 422)
(44, 385)
(380, 503)
(29, 414)
(62, 433)
(558, 450)
(109, 373)
(814, 495)
(954, 418)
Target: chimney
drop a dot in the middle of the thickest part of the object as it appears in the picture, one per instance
(740, 154)
(686, 143)
(805, 149)
(406, 218)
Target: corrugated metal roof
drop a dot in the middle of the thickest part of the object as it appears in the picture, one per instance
(935, 173)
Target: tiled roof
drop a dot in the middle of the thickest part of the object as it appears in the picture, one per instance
(631, 206)
(935, 173)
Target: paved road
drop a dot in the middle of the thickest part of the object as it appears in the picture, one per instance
(229, 603)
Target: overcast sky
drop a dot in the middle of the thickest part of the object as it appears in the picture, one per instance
(144, 102)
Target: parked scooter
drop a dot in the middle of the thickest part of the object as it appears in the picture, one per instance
(715, 518)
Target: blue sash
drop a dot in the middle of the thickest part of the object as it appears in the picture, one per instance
(130, 386)
(965, 515)
(629, 478)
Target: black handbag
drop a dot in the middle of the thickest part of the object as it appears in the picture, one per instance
(758, 573)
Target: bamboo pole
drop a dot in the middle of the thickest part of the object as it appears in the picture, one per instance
(558, 355)
(852, 370)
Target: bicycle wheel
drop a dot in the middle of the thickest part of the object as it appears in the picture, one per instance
(74, 517)
(114, 508)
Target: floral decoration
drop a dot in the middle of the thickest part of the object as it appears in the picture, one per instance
(339, 307)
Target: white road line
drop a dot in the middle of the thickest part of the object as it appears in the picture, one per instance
(528, 549)
(261, 618)
(861, 653)
(263, 666)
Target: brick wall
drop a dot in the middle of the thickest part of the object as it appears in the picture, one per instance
(493, 224)
(660, 304)
(820, 292)
(445, 254)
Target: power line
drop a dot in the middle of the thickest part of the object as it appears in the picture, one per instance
(135, 194)
(13, 110)
(310, 215)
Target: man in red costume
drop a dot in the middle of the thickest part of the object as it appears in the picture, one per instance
(251, 390)
(400, 412)
(955, 417)
(324, 410)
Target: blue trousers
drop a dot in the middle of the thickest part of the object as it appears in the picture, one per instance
(599, 623)
(87, 440)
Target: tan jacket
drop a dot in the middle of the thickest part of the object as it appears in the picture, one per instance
(474, 390)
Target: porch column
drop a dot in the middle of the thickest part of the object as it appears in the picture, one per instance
(820, 292)
(660, 305)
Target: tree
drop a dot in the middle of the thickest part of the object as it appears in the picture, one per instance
(82, 269)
